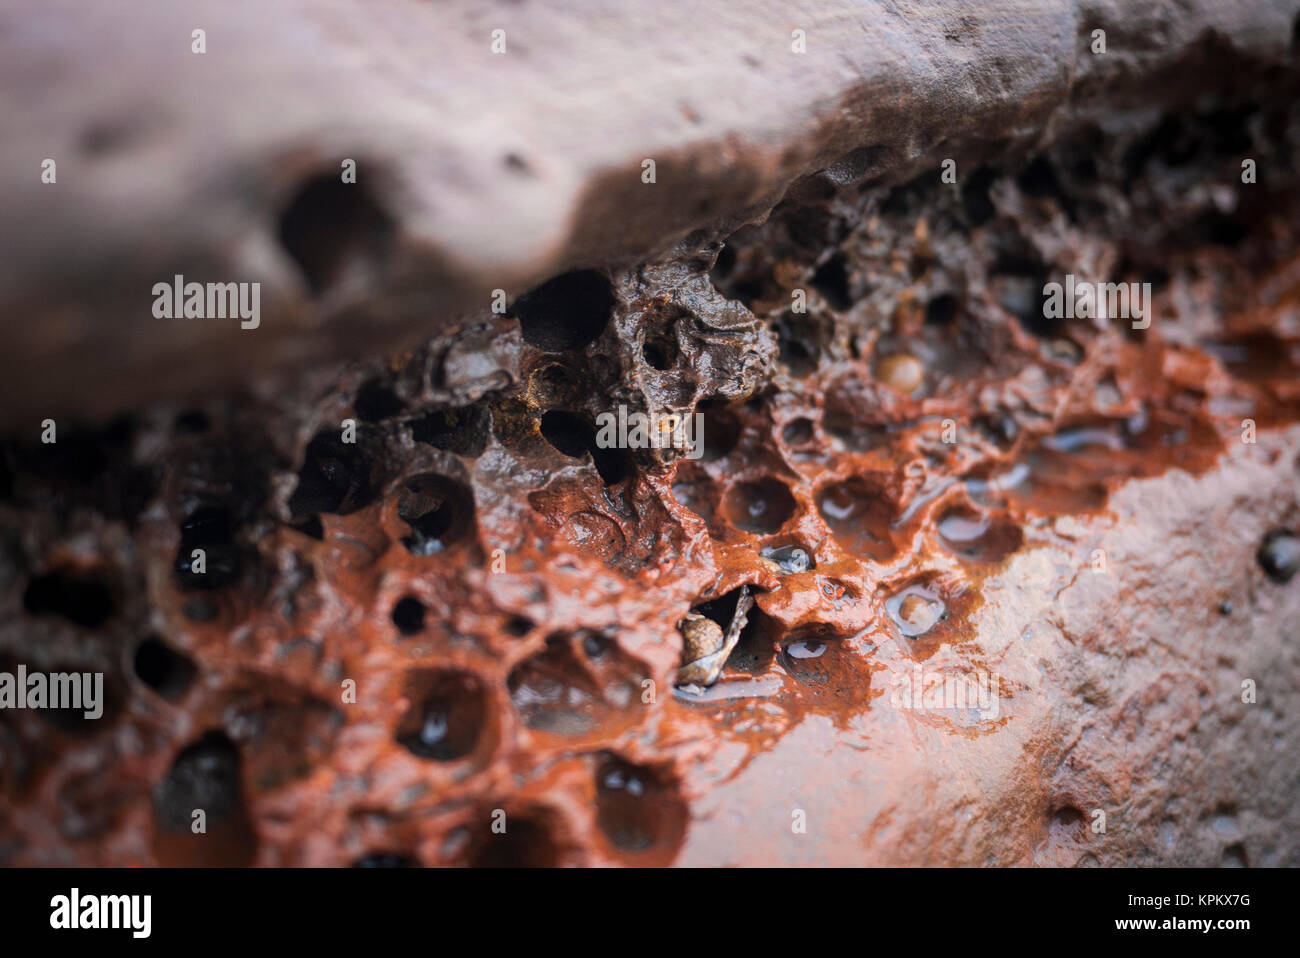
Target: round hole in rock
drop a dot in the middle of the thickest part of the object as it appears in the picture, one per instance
(210, 531)
(797, 432)
(448, 718)
(408, 615)
(463, 430)
(526, 843)
(1039, 178)
(575, 436)
(568, 312)
(375, 402)
(81, 601)
(916, 609)
(335, 477)
(659, 354)
(797, 345)
(163, 669)
(385, 860)
(519, 626)
(516, 164)
(761, 506)
(568, 432)
(439, 510)
(637, 811)
(697, 493)
(660, 348)
(205, 775)
(831, 280)
(552, 384)
(1066, 823)
(826, 668)
(979, 537)
(860, 516)
(804, 658)
(192, 422)
(941, 310)
(566, 690)
(335, 230)
(975, 196)
(723, 264)
(721, 429)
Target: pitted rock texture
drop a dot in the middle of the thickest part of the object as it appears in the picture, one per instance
(479, 171)
(473, 609)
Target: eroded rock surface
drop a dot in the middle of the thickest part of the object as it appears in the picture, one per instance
(922, 475)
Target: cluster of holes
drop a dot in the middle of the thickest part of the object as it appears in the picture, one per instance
(92, 466)
(451, 710)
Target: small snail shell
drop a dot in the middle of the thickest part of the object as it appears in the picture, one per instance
(702, 636)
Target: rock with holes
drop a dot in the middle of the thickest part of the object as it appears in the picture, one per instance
(373, 172)
(988, 583)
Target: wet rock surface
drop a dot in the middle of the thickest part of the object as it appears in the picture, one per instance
(919, 475)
